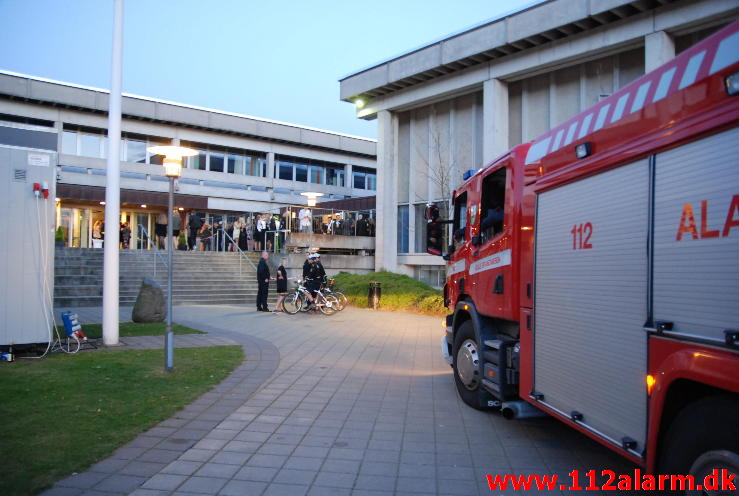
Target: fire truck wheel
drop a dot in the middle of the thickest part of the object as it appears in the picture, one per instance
(703, 436)
(468, 368)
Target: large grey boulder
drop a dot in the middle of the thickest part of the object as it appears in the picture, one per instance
(150, 305)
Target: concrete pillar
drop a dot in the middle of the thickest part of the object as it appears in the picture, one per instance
(494, 120)
(271, 165)
(386, 237)
(659, 48)
(348, 180)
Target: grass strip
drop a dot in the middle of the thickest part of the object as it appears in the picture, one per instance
(129, 329)
(63, 413)
(399, 292)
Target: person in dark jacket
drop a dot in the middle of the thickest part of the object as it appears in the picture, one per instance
(306, 266)
(194, 223)
(281, 285)
(263, 281)
(315, 277)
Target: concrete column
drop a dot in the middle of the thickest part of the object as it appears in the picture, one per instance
(494, 120)
(659, 48)
(386, 237)
(271, 165)
(348, 181)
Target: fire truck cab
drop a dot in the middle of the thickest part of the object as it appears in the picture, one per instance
(593, 273)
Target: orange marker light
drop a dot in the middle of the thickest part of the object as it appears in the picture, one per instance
(466, 307)
(651, 381)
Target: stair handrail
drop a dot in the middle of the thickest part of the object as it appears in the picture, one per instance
(243, 255)
(157, 252)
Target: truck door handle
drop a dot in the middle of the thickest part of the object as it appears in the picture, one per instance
(498, 286)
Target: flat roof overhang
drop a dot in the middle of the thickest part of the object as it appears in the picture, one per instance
(544, 23)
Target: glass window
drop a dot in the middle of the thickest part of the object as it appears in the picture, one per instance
(493, 204)
(69, 142)
(261, 168)
(198, 161)
(89, 145)
(403, 229)
(358, 180)
(235, 164)
(372, 181)
(285, 170)
(335, 176)
(135, 151)
(216, 161)
(421, 226)
(159, 159)
(460, 220)
(317, 174)
(301, 173)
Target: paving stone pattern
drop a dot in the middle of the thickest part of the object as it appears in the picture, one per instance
(359, 403)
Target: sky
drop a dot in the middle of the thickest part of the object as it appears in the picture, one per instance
(278, 60)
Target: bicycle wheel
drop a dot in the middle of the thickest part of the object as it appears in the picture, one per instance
(343, 300)
(329, 304)
(292, 303)
(69, 344)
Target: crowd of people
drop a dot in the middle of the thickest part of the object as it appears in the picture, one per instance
(314, 276)
(254, 233)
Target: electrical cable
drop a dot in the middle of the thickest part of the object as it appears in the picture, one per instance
(43, 281)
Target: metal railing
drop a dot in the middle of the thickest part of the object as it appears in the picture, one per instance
(140, 242)
(236, 245)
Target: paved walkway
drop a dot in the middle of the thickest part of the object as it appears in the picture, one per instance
(360, 403)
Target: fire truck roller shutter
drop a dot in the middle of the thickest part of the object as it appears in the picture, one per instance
(696, 257)
(590, 306)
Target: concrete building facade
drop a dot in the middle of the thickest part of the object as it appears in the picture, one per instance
(245, 165)
(458, 103)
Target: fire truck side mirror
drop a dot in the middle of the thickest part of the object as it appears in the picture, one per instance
(433, 237)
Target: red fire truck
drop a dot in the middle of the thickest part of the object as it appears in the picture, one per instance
(593, 274)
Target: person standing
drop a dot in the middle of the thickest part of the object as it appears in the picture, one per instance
(263, 282)
(194, 223)
(259, 238)
(160, 229)
(125, 235)
(176, 227)
(281, 285)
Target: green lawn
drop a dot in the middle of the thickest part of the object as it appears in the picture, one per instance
(128, 329)
(62, 413)
(399, 292)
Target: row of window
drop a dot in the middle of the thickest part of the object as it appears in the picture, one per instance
(90, 142)
(309, 171)
(320, 172)
(243, 162)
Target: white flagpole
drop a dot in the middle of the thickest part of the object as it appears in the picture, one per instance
(113, 187)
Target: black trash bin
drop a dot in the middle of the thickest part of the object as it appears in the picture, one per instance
(373, 299)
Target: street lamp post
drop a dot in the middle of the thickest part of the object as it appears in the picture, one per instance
(172, 169)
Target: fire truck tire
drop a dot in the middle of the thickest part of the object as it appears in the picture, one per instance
(467, 365)
(703, 436)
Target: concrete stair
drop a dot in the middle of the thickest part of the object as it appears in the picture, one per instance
(198, 277)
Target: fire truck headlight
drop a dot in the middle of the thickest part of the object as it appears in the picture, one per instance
(732, 84)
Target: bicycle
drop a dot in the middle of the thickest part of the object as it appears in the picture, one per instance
(297, 300)
(341, 297)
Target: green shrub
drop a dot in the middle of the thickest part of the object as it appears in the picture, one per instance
(399, 292)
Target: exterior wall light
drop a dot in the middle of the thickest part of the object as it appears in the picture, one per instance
(583, 150)
(359, 103)
(311, 197)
